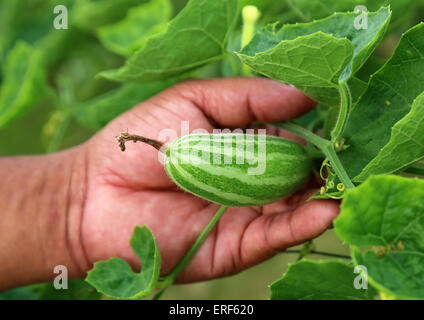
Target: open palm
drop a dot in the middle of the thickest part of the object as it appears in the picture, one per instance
(132, 188)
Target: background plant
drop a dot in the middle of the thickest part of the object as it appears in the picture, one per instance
(369, 122)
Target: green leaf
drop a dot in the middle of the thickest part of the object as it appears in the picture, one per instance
(315, 60)
(115, 278)
(131, 33)
(405, 147)
(97, 112)
(23, 82)
(319, 280)
(373, 64)
(389, 97)
(92, 14)
(383, 221)
(316, 56)
(196, 36)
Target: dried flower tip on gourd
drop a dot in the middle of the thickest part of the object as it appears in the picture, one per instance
(125, 136)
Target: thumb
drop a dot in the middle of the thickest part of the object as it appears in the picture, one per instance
(232, 102)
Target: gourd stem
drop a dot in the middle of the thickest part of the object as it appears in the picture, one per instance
(326, 147)
(338, 166)
(170, 278)
(125, 137)
(345, 106)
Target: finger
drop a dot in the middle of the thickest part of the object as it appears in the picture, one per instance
(234, 102)
(274, 131)
(293, 201)
(270, 234)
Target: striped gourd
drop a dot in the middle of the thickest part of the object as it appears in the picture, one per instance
(236, 169)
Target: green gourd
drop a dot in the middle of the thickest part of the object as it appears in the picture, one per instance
(233, 169)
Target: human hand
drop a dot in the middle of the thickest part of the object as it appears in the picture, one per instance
(128, 189)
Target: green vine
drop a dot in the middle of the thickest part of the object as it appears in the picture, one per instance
(170, 278)
(326, 146)
(345, 108)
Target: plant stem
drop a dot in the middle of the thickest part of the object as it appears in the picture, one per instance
(60, 130)
(326, 147)
(170, 278)
(308, 248)
(61, 119)
(337, 165)
(235, 63)
(345, 106)
(327, 254)
(309, 136)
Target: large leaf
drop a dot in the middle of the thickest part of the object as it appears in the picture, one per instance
(23, 82)
(196, 36)
(315, 56)
(130, 34)
(115, 278)
(383, 220)
(97, 112)
(405, 147)
(319, 280)
(314, 60)
(388, 99)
